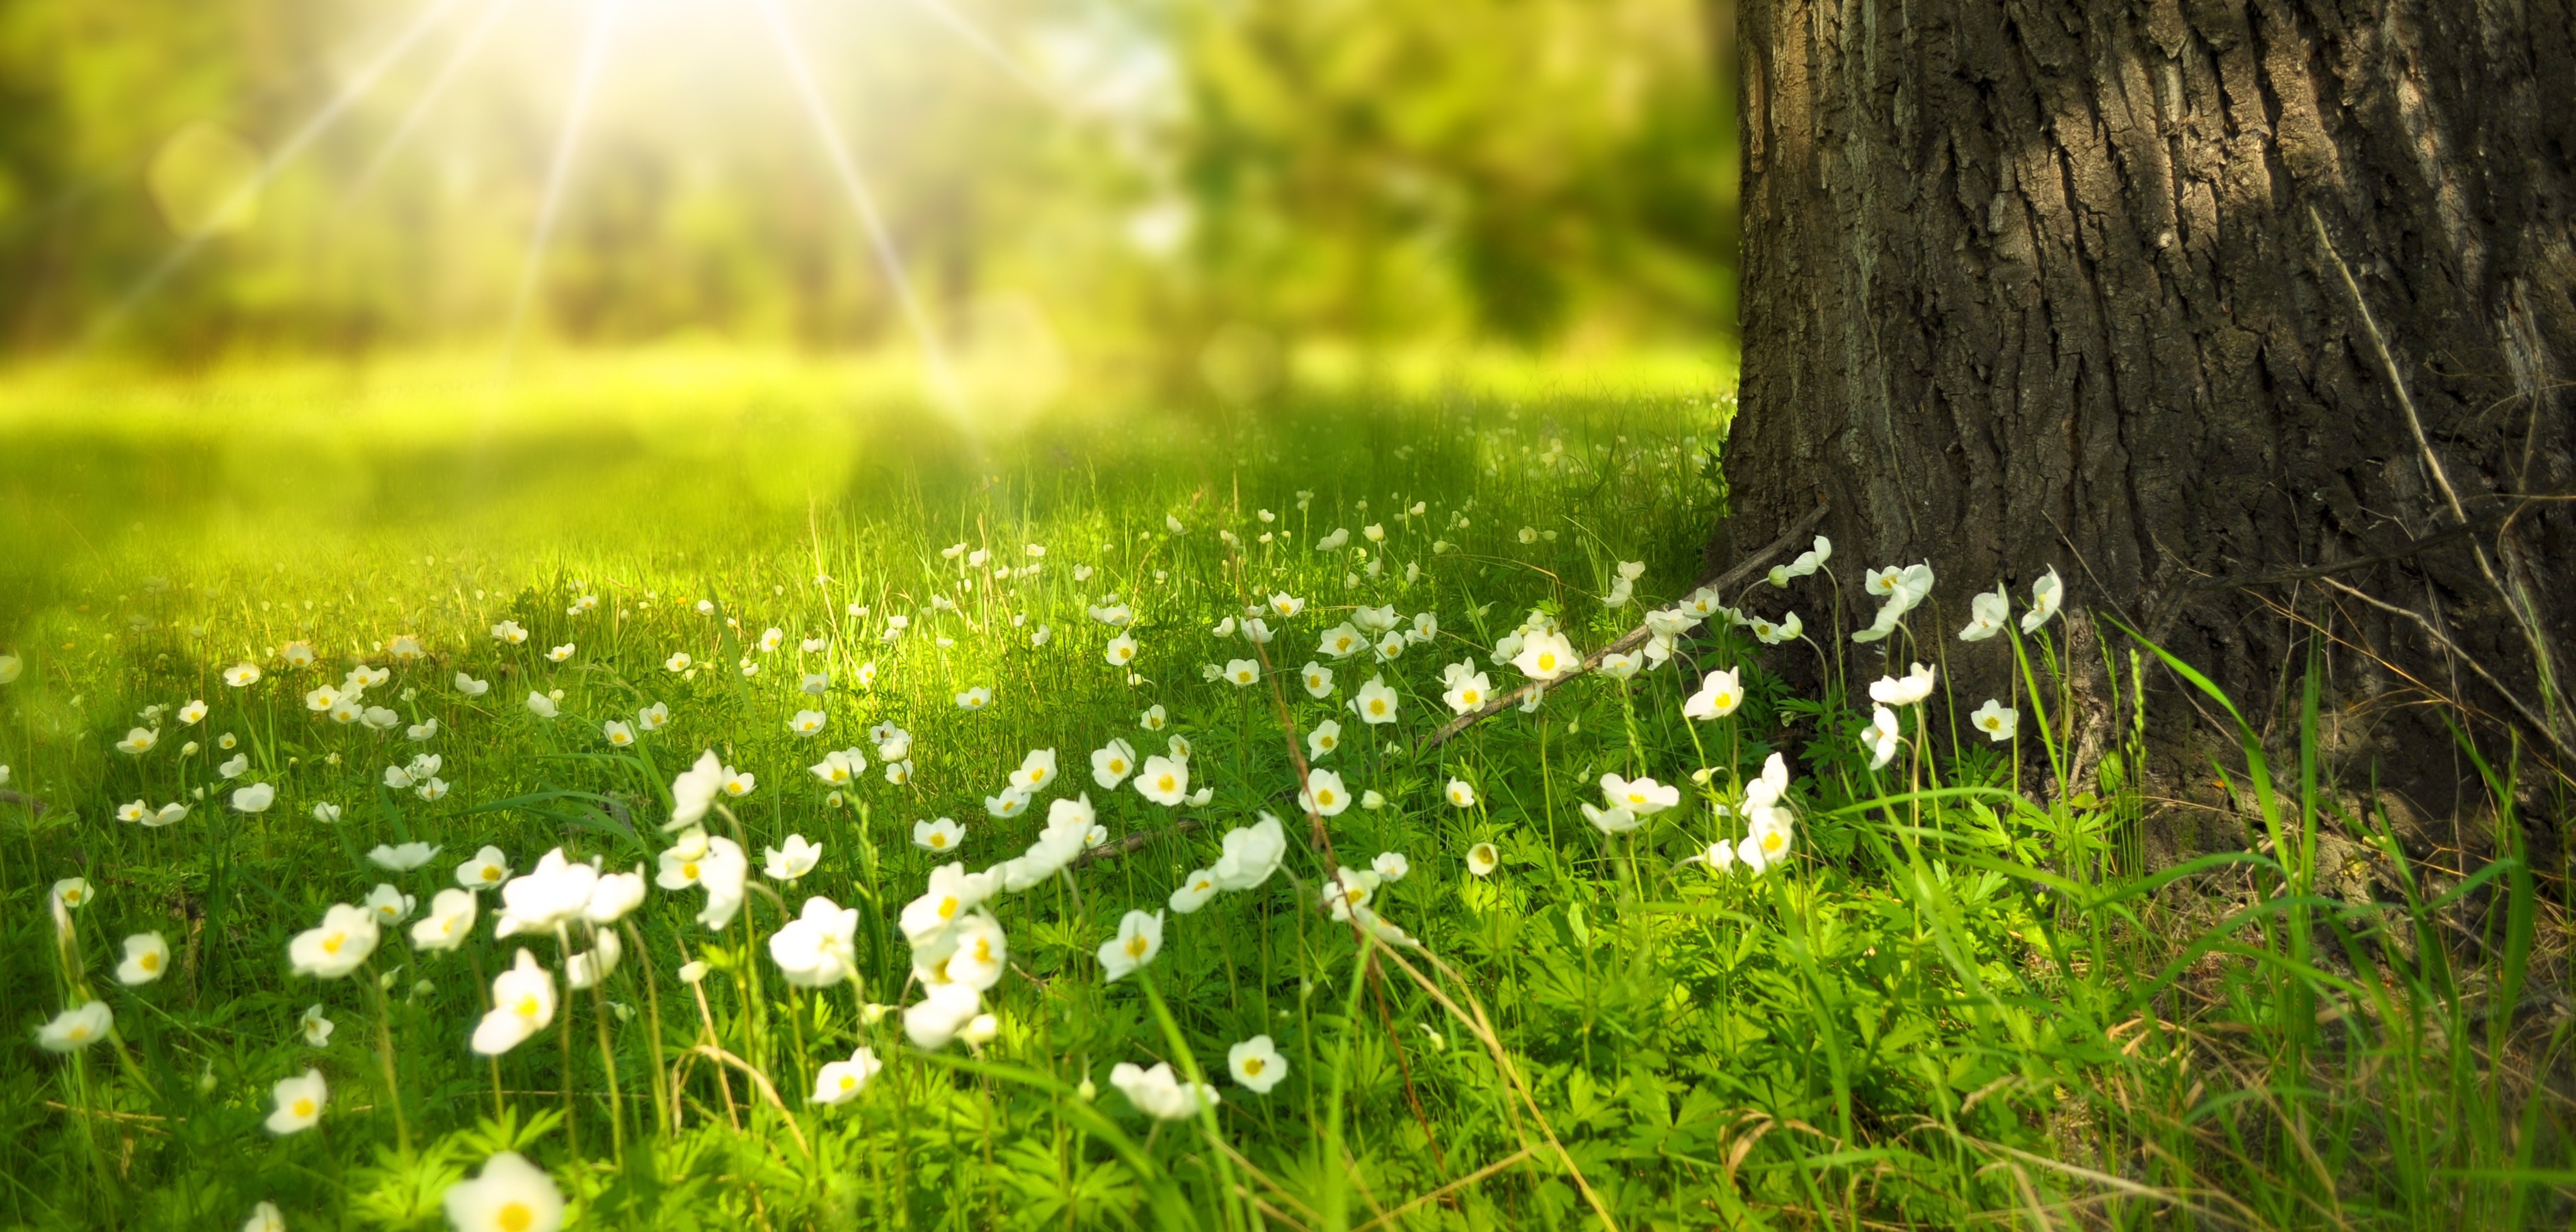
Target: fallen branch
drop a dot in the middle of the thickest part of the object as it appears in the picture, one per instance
(1736, 574)
(35, 807)
(1136, 842)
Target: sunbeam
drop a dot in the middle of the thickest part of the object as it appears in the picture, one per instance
(973, 36)
(349, 93)
(429, 96)
(828, 131)
(594, 51)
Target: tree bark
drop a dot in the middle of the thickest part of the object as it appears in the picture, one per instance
(2164, 293)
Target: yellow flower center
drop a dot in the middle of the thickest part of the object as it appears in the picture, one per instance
(983, 949)
(1136, 947)
(149, 962)
(938, 840)
(690, 870)
(1117, 766)
(304, 1107)
(332, 943)
(848, 1082)
(948, 907)
(1037, 776)
(527, 1006)
(491, 872)
(1166, 783)
(1252, 1067)
(1324, 797)
(1546, 661)
(515, 1217)
(1377, 707)
(1725, 698)
(1771, 841)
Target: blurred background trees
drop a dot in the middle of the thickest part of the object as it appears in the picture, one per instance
(1192, 187)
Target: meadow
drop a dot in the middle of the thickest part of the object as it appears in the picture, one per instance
(681, 792)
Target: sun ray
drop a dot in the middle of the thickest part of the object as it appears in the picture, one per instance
(312, 128)
(429, 97)
(973, 36)
(594, 52)
(837, 150)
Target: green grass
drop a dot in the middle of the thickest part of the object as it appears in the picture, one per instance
(1956, 1003)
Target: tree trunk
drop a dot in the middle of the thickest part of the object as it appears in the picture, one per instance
(2143, 290)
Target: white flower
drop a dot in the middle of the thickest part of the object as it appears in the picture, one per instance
(1160, 1095)
(541, 705)
(299, 1102)
(72, 892)
(817, 949)
(1720, 857)
(980, 955)
(975, 698)
(422, 731)
(1611, 820)
(1787, 630)
(1120, 651)
(509, 632)
(2046, 596)
(1996, 719)
(76, 1029)
(654, 718)
(390, 904)
(1987, 613)
(1036, 770)
(1256, 1064)
(839, 767)
(471, 687)
(694, 790)
(941, 835)
(839, 1082)
(1011, 803)
(1324, 794)
(1903, 589)
(147, 958)
(404, 858)
(523, 1003)
(138, 742)
(512, 1195)
(1391, 865)
(1341, 642)
(952, 893)
(1461, 793)
(678, 662)
(239, 675)
(1196, 889)
(1110, 766)
(1139, 939)
(1256, 630)
(1153, 719)
(1905, 690)
(1376, 703)
(614, 896)
(1642, 796)
(449, 922)
(561, 653)
(547, 897)
(1242, 672)
(326, 813)
(791, 861)
(1483, 859)
(1250, 854)
(1469, 690)
(1326, 737)
(1881, 737)
(1619, 666)
(1545, 655)
(1164, 781)
(344, 939)
(1766, 845)
(264, 1218)
(1719, 694)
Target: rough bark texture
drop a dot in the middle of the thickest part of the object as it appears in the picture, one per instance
(2037, 282)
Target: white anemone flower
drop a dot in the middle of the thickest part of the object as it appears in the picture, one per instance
(1011, 803)
(169, 814)
(976, 698)
(390, 904)
(790, 861)
(1196, 889)
(1241, 672)
(1996, 719)
(1324, 794)
(589, 969)
(147, 958)
(614, 896)
(943, 1011)
(1461, 793)
(839, 1082)
(1881, 737)
(693, 791)
(1642, 796)
(1611, 820)
(72, 892)
(336, 947)
(1905, 690)
(299, 1102)
(1139, 939)
(818, 949)
(739, 783)
(1469, 691)
(1111, 765)
(1618, 665)
(654, 718)
(1249, 854)
(75, 1029)
(1326, 737)
(1766, 845)
(2047, 595)
(512, 1195)
(1719, 695)
(508, 632)
(469, 686)
(403, 858)
(1154, 719)
(1120, 651)
(523, 1003)
(806, 724)
(242, 675)
(541, 705)
(1987, 613)
(1483, 859)
(1546, 655)
(1159, 1094)
(1256, 1064)
(548, 897)
(264, 1217)
(1164, 781)
(138, 742)
(1341, 642)
(942, 835)
(1317, 678)
(1376, 703)
(1036, 770)
(449, 922)
(326, 813)
(1391, 866)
